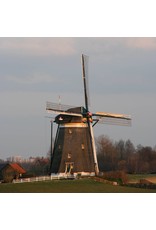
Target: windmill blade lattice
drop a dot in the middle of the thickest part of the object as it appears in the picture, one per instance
(87, 101)
(85, 80)
(113, 121)
(55, 107)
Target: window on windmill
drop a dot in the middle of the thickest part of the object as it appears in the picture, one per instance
(82, 146)
(69, 155)
(59, 147)
(70, 131)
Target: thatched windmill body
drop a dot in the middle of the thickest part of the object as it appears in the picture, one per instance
(74, 149)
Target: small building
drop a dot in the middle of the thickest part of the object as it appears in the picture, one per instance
(10, 171)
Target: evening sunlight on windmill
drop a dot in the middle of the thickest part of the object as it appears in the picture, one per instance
(74, 149)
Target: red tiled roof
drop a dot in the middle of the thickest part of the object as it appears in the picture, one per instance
(17, 168)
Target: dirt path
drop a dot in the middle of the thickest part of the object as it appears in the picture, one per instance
(151, 179)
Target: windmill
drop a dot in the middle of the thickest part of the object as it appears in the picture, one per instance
(74, 149)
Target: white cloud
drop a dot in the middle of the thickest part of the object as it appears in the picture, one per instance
(141, 43)
(38, 46)
(59, 46)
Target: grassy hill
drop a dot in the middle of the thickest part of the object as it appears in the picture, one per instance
(69, 186)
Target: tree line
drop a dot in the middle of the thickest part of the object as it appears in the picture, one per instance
(39, 167)
(122, 155)
(111, 155)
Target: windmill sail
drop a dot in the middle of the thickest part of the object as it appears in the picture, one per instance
(52, 107)
(86, 95)
(57, 107)
(113, 119)
(113, 115)
(85, 80)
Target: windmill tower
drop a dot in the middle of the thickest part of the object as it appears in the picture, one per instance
(74, 148)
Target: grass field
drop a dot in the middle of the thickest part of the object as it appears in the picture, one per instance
(137, 177)
(69, 186)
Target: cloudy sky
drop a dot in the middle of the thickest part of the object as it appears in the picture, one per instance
(35, 70)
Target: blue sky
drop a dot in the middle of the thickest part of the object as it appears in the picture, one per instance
(35, 70)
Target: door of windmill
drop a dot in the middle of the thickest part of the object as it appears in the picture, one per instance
(68, 167)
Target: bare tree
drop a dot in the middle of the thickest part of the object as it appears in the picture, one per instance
(120, 149)
(106, 153)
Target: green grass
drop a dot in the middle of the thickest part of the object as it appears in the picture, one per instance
(137, 177)
(69, 186)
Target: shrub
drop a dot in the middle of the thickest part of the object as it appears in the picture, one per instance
(119, 176)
